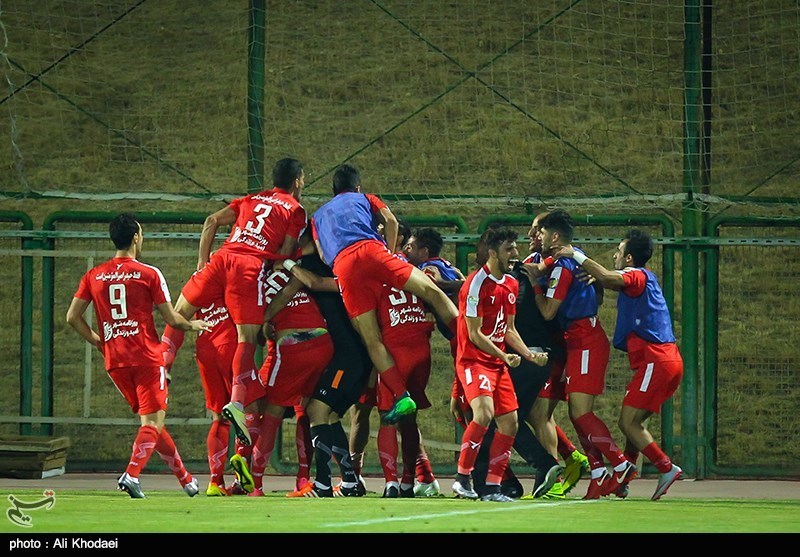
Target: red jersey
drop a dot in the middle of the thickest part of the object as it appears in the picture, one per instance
(223, 330)
(401, 317)
(124, 292)
(494, 300)
(301, 312)
(263, 220)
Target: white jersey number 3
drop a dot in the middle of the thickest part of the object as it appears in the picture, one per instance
(261, 212)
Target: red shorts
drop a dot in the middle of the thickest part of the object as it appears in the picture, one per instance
(413, 361)
(292, 371)
(361, 271)
(556, 386)
(239, 278)
(658, 373)
(144, 387)
(478, 380)
(588, 351)
(216, 372)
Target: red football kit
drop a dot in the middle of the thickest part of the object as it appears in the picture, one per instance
(214, 352)
(588, 348)
(479, 373)
(236, 270)
(295, 363)
(658, 367)
(124, 292)
(406, 332)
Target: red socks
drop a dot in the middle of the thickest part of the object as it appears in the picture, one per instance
(262, 449)
(217, 446)
(387, 452)
(392, 380)
(244, 365)
(499, 454)
(470, 445)
(143, 447)
(565, 446)
(166, 449)
(590, 425)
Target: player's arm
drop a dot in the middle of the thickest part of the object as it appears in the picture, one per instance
(390, 226)
(548, 307)
(482, 342)
(212, 223)
(288, 247)
(178, 321)
(282, 298)
(76, 320)
(311, 279)
(447, 286)
(607, 278)
(515, 342)
(536, 270)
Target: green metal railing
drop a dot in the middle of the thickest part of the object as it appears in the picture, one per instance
(699, 397)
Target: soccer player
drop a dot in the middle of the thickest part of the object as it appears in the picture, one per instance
(644, 331)
(424, 249)
(265, 229)
(362, 260)
(487, 309)
(124, 292)
(406, 333)
(298, 351)
(575, 304)
(341, 384)
(536, 331)
(214, 352)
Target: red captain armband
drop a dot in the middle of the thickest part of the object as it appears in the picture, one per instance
(548, 261)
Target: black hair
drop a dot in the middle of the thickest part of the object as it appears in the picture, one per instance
(285, 172)
(430, 238)
(496, 236)
(639, 245)
(403, 230)
(346, 178)
(122, 228)
(560, 221)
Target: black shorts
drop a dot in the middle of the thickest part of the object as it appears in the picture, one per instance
(346, 377)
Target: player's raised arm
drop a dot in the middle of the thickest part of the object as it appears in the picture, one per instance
(212, 223)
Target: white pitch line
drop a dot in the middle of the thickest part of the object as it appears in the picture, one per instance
(483, 510)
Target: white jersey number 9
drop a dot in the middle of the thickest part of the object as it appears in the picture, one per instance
(118, 301)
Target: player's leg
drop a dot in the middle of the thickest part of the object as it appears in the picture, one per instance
(420, 284)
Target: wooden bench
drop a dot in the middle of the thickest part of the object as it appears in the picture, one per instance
(32, 457)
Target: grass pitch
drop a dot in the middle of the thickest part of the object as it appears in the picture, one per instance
(87, 512)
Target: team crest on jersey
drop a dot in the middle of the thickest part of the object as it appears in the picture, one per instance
(511, 298)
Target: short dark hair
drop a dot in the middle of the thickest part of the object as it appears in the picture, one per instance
(122, 228)
(430, 238)
(496, 236)
(639, 245)
(403, 230)
(285, 172)
(560, 221)
(346, 178)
